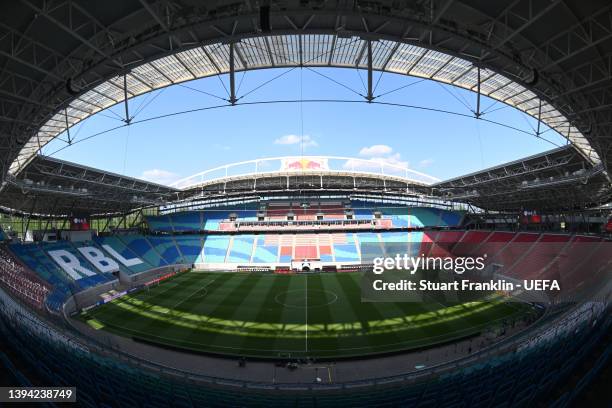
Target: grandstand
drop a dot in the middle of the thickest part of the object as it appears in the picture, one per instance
(243, 285)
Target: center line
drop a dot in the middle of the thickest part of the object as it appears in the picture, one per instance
(306, 314)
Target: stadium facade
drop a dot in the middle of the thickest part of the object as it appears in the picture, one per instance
(141, 294)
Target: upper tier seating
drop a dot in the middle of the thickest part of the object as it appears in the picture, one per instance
(161, 223)
(194, 221)
(186, 221)
(419, 217)
(219, 218)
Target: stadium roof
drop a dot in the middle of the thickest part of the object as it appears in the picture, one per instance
(559, 179)
(55, 187)
(291, 166)
(63, 61)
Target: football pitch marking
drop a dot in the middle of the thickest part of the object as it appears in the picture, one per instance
(330, 297)
(173, 341)
(306, 297)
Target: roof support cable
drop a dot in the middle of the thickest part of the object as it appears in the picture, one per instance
(241, 80)
(494, 110)
(491, 105)
(336, 82)
(468, 107)
(301, 101)
(202, 92)
(267, 82)
(399, 88)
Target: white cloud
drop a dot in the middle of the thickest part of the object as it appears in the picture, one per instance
(295, 139)
(426, 162)
(374, 164)
(374, 156)
(159, 176)
(375, 151)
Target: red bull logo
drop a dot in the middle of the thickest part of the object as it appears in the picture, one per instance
(304, 164)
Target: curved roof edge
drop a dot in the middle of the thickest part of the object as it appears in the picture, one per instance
(325, 48)
(305, 165)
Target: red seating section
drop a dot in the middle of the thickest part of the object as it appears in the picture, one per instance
(20, 281)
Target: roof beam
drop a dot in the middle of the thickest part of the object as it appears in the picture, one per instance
(70, 31)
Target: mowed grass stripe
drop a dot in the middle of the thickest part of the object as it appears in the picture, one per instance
(156, 302)
(264, 315)
(368, 312)
(397, 317)
(261, 298)
(151, 297)
(351, 313)
(293, 339)
(236, 292)
(194, 294)
(217, 293)
(243, 309)
(323, 334)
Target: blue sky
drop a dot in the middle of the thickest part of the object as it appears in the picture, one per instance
(437, 144)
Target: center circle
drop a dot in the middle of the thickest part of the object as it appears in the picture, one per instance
(301, 298)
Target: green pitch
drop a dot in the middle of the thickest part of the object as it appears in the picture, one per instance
(265, 315)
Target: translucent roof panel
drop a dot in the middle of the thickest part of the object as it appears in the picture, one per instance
(309, 50)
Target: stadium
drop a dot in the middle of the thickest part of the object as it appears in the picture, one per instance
(250, 282)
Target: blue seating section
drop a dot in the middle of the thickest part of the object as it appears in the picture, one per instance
(215, 248)
(367, 237)
(161, 250)
(265, 253)
(363, 213)
(190, 247)
(3, 236)
(420, 217)
(346, 252)
(67, 246)
(36, 258)
(119, 247)
(451, 218)
(160, 223)
(166, 247)
(246, 215)
(210, 219)
(241, 249)
(141, 247)
(186, 221)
